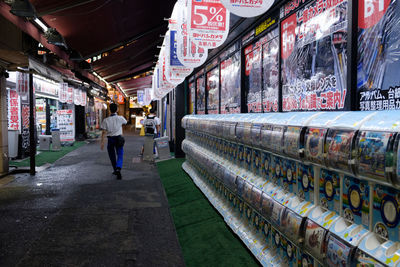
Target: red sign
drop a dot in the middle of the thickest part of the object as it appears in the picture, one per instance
(370, 12)
(208, 15)
(121, 99)
(13, 110)
(70, 95)
(288, 36)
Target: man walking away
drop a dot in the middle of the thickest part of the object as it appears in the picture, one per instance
(112, 127)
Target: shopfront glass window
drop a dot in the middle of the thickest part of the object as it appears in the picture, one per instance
(213, 91)
(230, 84)
(313, 53)
(252, 79)
(271, 72)
(378, 58)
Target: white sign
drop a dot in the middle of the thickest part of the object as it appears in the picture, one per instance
(247, 8)
(188, 52)
(63, 92)
(70, 95)
(22, 86)
(77, 96)
(208, 22)
(65, 122)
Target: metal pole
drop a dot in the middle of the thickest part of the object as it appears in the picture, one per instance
(32, 142)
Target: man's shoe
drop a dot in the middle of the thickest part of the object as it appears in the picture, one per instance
(114, 172)
(118, 173)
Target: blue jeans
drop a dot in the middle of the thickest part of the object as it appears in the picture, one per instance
(113, 149)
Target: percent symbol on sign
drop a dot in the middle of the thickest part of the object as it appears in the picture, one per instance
(213, 11)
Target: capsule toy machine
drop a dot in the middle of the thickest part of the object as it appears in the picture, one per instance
(248, 149)
(329, 190)
(284, 248)
(265, 168)
(376, 251)
(306, 182)
(314, 239)
(338, 252)
(256, 199)
(292, 226)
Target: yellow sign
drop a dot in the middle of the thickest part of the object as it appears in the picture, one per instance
(265, 25)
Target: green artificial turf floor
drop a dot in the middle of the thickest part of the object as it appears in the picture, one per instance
(203, 235)
(48, 156)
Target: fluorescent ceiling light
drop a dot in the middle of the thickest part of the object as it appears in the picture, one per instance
(41, 24)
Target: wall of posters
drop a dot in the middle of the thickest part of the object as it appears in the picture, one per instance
(378, 82)
(201, 96)
(313, 53)
(213, 91)
(271, 72)
(192, 94)
(230, 84)
(252, 79)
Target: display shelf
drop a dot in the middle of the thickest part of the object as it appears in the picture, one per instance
(316, 203)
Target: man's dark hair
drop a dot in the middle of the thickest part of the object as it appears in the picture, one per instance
(113, 107)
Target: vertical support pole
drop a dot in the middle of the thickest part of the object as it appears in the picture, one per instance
(3, 124)
(48, 117)
(179, 113)
(352, 36)
(32, 143)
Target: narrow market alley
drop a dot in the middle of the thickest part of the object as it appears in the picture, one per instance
(76, 213)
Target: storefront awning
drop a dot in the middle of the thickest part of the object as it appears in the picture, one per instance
(45, 71)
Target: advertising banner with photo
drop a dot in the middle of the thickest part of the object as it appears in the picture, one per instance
(140, 96)
(22, 87)
(252, 79)
(201, 95)
(230, 84)
(208, 22)
(147, 96)
(14, 111)
(63, 93)
(313, 53)
(65, 122)
(270, 95)
(213, 91)
(192, 95)
(247, 8)
(378, 81)
(188, 52)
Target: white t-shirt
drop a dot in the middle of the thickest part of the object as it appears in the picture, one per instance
(113, 125)
(157, 122)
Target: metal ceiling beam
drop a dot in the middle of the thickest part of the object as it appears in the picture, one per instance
(127, 71)
(148, 68)
(64, 7)
(134, 38)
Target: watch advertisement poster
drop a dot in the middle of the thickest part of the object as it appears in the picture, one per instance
(271, 72)
(213, 91)
(252, 79)
(314, 61)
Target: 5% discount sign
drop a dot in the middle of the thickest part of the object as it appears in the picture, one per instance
(208, 15)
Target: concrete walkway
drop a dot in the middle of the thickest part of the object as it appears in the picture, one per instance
(77, 214)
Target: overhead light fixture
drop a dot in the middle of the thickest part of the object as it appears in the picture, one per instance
(54, 37)
(23, 8)
(41, 24)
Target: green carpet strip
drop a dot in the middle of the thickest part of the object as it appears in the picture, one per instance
(48, 156)
(203, 235)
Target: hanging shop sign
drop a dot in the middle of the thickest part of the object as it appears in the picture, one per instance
(176, 71)
(120, 98)
(378, 84)
(189, 53)
(247, 8)
(63, 92)
(65, 122)
(77, 96)
(22, 86)
(147, 96)
(45, 87)
(213, 91)
(83, 98)
(140, 96)
(230, 84)
(70, 95)
(25, 141)
(208, 22)
(14, 112)
(165, 85)
(313, 53)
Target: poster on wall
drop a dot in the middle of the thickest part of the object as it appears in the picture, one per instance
(252, 79)
(192, 94)
(230, 84)
(25, 141)
(313, 53)
(65, 122)
(213, 91)
(14, 114)
(201, 96)
(271, 72)
(378, 82)
(22, 87)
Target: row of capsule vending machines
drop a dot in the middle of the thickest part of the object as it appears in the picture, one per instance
(303, 189)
